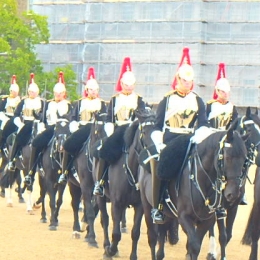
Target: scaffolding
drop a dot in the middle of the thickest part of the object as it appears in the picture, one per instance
(153, 33)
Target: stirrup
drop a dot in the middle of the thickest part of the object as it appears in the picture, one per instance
(11, 166)
(98, 189)
(28, 180)
(157, 216)
(63, 179)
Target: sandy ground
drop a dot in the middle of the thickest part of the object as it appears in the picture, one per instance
(23, 237)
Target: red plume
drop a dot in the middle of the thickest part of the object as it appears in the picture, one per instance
(91, 73)
(184, 60)
(13, 80)
(31, 78)
(221, 74)
(61, 78)
(126, 66)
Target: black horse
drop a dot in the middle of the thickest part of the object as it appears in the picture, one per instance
(27, 134)
(83, 189)
(252, 231)
(50, 169)
(249, 124)
(195, 187)
(123, 188)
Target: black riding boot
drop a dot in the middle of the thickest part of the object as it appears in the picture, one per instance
(32, 166)
(64, 176)
(157, 211)
(14, 151)
(100, 174)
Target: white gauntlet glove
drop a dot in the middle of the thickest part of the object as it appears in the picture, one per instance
(74, 126)
(200, 134)
(4, 120)
(109, 129)
(40, 127)
(18, 123)
(157, 137)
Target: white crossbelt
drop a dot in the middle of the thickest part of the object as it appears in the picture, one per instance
(179, 130)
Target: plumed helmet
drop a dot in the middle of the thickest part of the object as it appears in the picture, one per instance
(60, 86)
(91, 80)
(14, 86)
(221, 81)
(185, 70)
(126, 75)
(33, 86)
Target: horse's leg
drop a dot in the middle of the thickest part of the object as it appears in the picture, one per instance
(138, 215)
(193, 244)
(29, 202)
(89, 213)
(9, 196)
(117, 212)
(19, 188)
(222, 238)
(231, 215)
(52, 191)
(104, 217)
(173, 231)
(212, 253)
(59, 202)
(75, 193)
(123, 222)
(255, 232)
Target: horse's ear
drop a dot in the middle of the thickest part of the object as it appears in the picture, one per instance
(234, 125)
(230, 135)
(248, 112)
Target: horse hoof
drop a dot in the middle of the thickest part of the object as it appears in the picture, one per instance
(91, 242)
(30, 212)
(76, 235)
(36, 206)
(210, 256)
(9, 204)
(2, 194)
(110, 253)
(52, 228)
(21, 200)
(43, 220)
(124, 230)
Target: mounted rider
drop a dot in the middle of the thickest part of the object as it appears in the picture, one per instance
(120, 115)
(26, 112)
(83, 116)
(177, 114)
(220, 111)
(8, 104)
(54, 110)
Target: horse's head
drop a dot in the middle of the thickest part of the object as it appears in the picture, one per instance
(146, 118)
(98, 127)
(250, 125)
(231, 158)
(61, 133)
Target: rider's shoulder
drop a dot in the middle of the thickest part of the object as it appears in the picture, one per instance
(172, 92)
(211, 101)
(4, 96)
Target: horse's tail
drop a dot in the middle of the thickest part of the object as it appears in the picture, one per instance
(247, 239)
(173, 232)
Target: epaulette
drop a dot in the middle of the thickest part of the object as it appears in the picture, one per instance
(170, 93)
(211, 101)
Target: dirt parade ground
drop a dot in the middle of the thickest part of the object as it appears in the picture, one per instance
(23, 237)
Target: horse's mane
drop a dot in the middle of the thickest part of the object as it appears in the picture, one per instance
(130, 134)
(213, 140)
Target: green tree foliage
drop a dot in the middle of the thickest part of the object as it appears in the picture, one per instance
(19, 34)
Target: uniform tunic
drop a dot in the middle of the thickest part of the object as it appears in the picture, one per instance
(221, 115)
(121, 108)
(179, 114)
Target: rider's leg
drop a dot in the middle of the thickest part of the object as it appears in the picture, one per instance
(157, 211)
(100, 174)
(66, 160)
(16, 148)
(32, 165)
